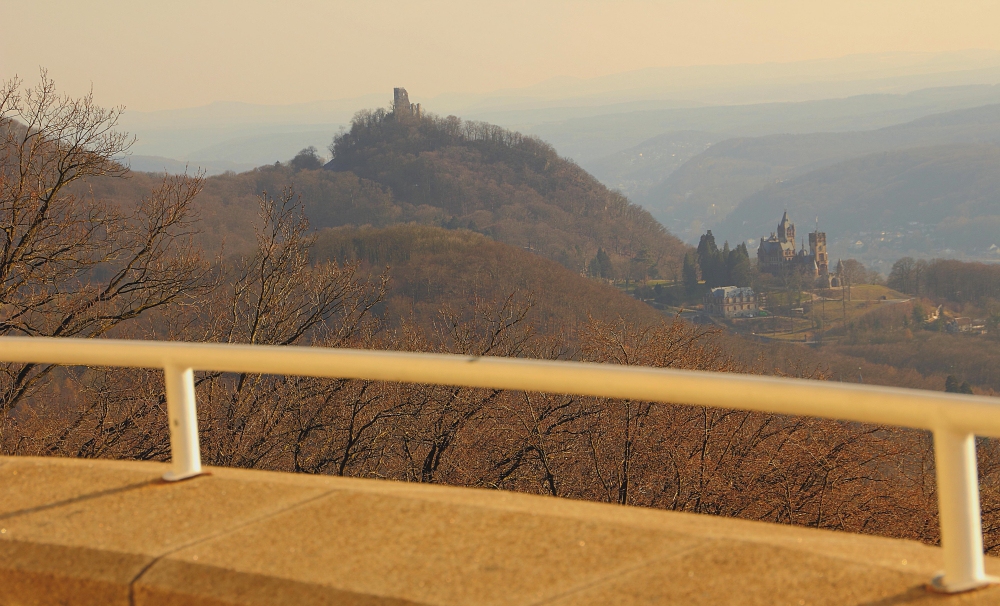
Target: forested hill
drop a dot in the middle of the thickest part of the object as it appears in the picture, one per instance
(514, 189)
(431, 267)
(445, 172)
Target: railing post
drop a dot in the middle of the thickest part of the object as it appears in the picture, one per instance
(182, 416)
(959, 513)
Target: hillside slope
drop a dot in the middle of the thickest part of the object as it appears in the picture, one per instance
(517, 190)
(709, 186)
(228, 204)
(431, 267)
(924, 199)
(638, 170)
(451, 174)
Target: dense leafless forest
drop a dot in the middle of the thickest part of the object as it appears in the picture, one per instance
(76, 264)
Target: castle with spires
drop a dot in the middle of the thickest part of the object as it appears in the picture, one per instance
(777, 253)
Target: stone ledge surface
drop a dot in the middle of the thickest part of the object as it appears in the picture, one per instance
(111, 532)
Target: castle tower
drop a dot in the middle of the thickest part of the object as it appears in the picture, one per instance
(786, 230)
(817, 247)
(401, 106)
(400, 100)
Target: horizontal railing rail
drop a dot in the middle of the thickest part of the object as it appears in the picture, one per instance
(954, 419)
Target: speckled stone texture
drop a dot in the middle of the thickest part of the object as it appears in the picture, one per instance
(111, 532)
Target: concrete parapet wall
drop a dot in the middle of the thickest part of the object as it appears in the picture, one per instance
(109, 532)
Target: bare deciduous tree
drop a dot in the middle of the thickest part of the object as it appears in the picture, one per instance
(70, 264)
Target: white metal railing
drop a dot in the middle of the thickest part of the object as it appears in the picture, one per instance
(954, 419)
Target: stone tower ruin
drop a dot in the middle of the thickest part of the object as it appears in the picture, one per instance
(401, 106)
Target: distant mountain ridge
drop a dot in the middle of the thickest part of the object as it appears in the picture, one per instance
(548, 108)
(159, 164)
(706, 189)
(638, 170)
(591, 138)
(911, 201)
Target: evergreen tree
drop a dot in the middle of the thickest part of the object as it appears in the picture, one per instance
(722, 263)
(738, 266)
(711, 261)
(600, 266)
(690, 272)
(706, 246)
(726, 267)
(742, 249)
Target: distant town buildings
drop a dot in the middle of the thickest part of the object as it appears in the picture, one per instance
(731, 302)
(777, 253)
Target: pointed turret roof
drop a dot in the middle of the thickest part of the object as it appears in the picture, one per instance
(783, 228)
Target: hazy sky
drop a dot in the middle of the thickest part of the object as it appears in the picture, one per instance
(152, 54)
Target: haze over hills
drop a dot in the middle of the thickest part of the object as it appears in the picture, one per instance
(688, 162)
(637, 170)
(705, 190)
(759, 83)
(160, 164)
(217, 149)
(919, 201)
(590, 140)
(223, 130)
(235, 136)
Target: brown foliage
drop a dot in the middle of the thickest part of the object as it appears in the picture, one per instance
(726, 462)
(431, 266)
(72, 264)
(947, 279)
(515, 189)
(812, 472)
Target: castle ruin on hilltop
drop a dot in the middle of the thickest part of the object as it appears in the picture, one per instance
(777, 253)
(401, 106)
